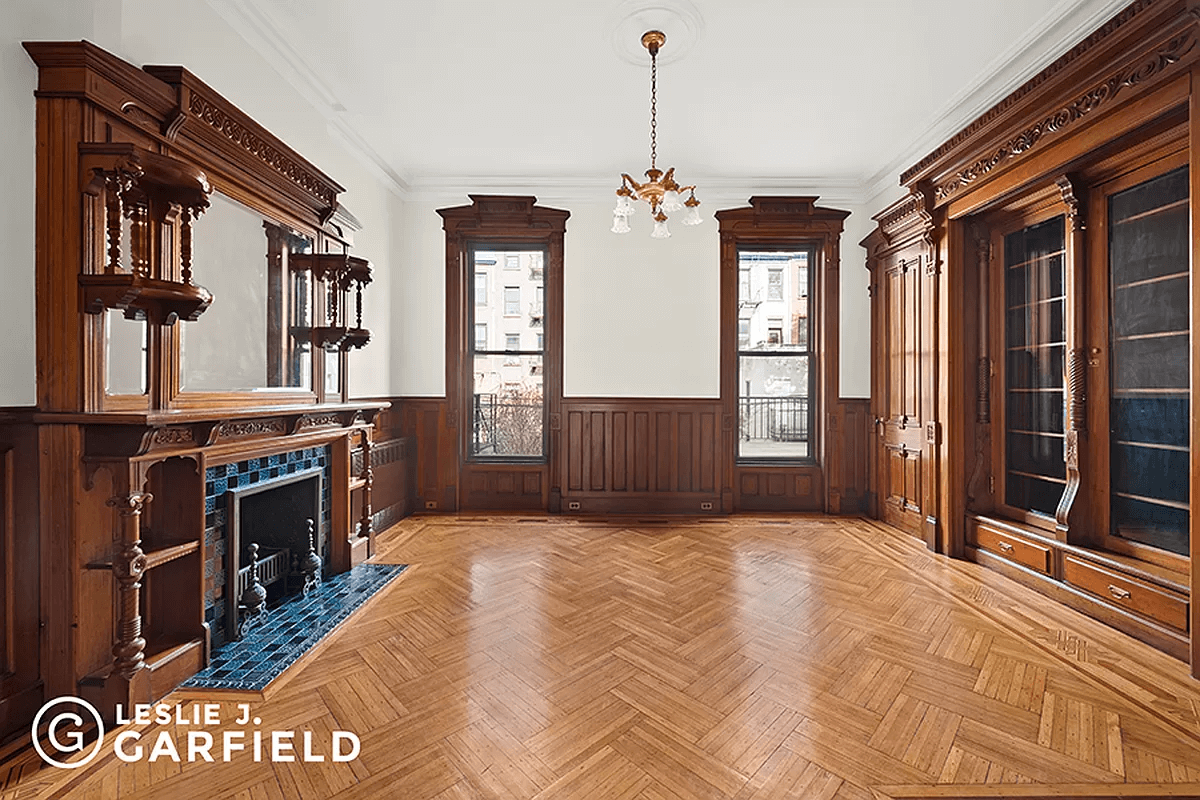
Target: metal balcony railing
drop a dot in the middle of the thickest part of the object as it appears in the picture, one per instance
(776, 419)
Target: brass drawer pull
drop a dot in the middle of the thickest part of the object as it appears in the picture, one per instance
(1004, 547)
(1118, 592)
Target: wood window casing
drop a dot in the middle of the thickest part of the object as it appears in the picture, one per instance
(502, 223)
(782, 223)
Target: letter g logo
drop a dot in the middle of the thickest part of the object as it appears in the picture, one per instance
(65, 734)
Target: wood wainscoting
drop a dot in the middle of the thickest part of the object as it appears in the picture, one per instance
(636, 455)
(642, 455)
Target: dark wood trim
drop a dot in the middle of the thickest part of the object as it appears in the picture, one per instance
(774, 222)
(503, 220)
(1123, 97)
(641, 455)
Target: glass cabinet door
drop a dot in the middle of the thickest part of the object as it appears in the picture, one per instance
(1150, 346)
(1034, 343)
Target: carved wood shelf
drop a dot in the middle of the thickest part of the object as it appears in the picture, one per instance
(141, 298)
(154, 193)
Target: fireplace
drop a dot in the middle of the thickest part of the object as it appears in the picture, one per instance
(268, 530)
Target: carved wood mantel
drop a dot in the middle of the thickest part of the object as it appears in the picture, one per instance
(130, 164)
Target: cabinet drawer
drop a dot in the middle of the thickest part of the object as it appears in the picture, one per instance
(1127, 592)
(1029, 554)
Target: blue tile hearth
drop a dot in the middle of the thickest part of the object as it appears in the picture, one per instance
(291, 630)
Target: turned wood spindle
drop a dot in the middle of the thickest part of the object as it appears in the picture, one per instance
(333, 302)
(112, 202)
(358, 287)
(368, 476)
(185, 246)
(128, 568)
(141, 240)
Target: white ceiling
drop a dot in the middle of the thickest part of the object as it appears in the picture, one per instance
(494, 95)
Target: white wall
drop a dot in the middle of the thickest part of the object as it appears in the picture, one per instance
(641, 316)
(193, 35)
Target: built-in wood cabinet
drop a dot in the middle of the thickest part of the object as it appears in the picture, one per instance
(1060, 229)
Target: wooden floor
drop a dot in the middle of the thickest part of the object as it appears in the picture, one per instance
(810, 657)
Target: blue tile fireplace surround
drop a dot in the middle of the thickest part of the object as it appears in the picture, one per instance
(220, 479)
(297, 622)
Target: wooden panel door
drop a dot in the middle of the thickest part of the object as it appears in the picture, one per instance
(901, 358)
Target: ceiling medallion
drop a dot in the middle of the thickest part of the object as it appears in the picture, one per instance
(660, 191)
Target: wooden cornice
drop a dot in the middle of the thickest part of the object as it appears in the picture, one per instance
(1147, 43)
(186, 115)
(513, 212)
(801, 214)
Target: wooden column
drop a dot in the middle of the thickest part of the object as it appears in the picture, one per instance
(128, 567)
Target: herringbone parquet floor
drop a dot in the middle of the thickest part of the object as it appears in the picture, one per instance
(808, 657)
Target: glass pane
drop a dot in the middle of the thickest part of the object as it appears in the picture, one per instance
(124, 355)
(1151, 347)
(773, 292)
(333, 373)
(774, 413)
(508, 409)
(1034, 340)
(255, 335)
(512, 284)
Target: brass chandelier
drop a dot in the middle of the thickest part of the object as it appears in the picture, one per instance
(660, 190)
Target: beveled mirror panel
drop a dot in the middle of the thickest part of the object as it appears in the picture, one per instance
(255, 337)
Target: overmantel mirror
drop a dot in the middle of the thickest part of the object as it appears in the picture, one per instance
(282, 300)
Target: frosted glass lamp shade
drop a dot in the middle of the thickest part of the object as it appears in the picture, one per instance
(625, 206)
(620, 223)
(660, 230)
(692, 217)
(670, 201)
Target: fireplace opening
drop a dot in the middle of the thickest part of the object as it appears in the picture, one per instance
(271, 554)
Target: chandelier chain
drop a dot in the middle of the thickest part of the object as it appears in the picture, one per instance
(653, 106)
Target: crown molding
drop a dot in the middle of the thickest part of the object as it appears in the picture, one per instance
(1067, 23)
(601, 189)
(256, 26)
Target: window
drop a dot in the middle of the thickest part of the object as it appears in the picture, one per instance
(504, 410)
(775, 284)
(481, 292)
(775, 331)
(506, 378)
(512, 345)
(774, 371)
